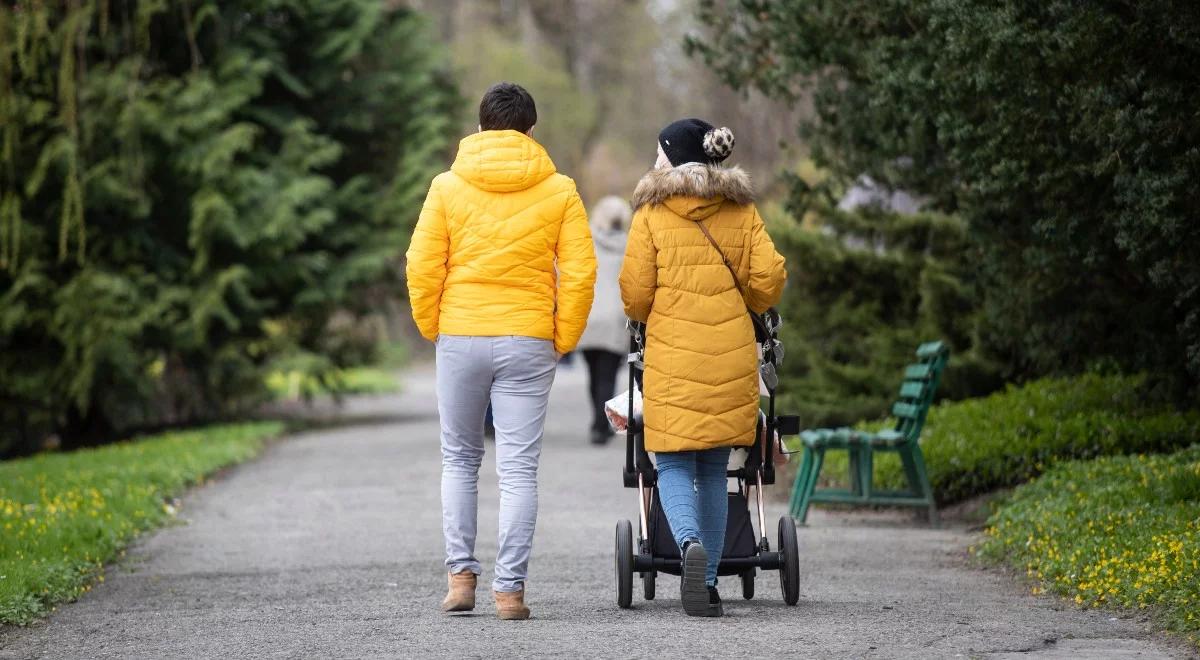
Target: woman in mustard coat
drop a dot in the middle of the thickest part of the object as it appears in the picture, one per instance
(701, 394)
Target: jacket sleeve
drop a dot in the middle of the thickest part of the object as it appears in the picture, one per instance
(767, 271)
(639, 270)
(576, 276)
(426, 268)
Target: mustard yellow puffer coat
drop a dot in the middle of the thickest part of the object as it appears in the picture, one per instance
(502, 246)
(701, 379)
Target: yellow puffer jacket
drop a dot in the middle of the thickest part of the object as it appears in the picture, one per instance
(502, 246)
(701, 379)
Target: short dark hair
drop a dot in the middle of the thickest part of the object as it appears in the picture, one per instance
(507, 106)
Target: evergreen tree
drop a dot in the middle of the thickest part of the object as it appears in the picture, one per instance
(193, 191)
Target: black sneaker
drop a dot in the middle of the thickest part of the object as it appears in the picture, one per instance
(692, 590)
(714, 603)
(600, 437)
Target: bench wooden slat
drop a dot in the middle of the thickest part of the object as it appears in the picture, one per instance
(930, 349)
(912, 390)
(906, 410)
(918, 372)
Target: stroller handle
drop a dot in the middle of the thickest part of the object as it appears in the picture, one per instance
(637, 461)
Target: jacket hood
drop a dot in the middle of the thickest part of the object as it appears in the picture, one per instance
(502, 161)
(694, 190)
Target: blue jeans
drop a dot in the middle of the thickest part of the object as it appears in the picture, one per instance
(691, 486)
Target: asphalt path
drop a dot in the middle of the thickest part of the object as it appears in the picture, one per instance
(329, 546)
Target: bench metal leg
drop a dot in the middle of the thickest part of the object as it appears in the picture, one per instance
(810, 485)
(866, 466)
(910, 471)
(919, 460)
(918, 478)
(799, 485)
(854, 463)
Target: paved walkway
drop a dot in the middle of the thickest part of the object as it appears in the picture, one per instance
(329, 546)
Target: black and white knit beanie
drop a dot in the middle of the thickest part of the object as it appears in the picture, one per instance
(695, 141)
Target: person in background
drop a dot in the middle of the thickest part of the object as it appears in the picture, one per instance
(605, 342)
(697, 259)
(500, 274)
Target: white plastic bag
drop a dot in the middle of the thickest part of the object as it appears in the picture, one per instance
(617, 409)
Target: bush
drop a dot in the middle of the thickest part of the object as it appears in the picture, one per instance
(1122, 531)
(1005, 439)
(1077, 183)
(62, 516)
(864, 290)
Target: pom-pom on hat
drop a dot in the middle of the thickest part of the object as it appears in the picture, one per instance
(695, 141)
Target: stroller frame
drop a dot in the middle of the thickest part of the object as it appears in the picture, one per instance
(655, 550)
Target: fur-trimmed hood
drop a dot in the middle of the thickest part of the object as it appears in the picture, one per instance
(694, 180)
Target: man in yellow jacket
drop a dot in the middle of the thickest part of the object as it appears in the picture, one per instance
(500, 275)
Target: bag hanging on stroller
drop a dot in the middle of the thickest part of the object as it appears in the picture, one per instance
(618, 413)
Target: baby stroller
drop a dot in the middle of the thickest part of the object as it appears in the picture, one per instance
(745, 552)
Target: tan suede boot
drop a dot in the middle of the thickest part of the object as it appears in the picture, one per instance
(460, 596)
(510, 605)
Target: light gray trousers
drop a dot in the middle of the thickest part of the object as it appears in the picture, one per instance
(515, 375)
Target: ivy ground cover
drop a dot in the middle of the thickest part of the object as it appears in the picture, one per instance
(1121, 531)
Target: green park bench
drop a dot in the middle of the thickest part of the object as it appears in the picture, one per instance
(916, 395)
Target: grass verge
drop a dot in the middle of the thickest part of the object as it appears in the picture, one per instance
(1121, 531)
(63, 515)
(980, 445)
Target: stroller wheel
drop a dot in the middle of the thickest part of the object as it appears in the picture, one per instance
(748, 583)
(649, 576)
(623, 563)
(789, 569)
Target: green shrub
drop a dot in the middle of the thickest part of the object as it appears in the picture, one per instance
(863, 292)
(1076, 185)
(295, 384)
(63, 515)
(1005, 439)
(1121, 531)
